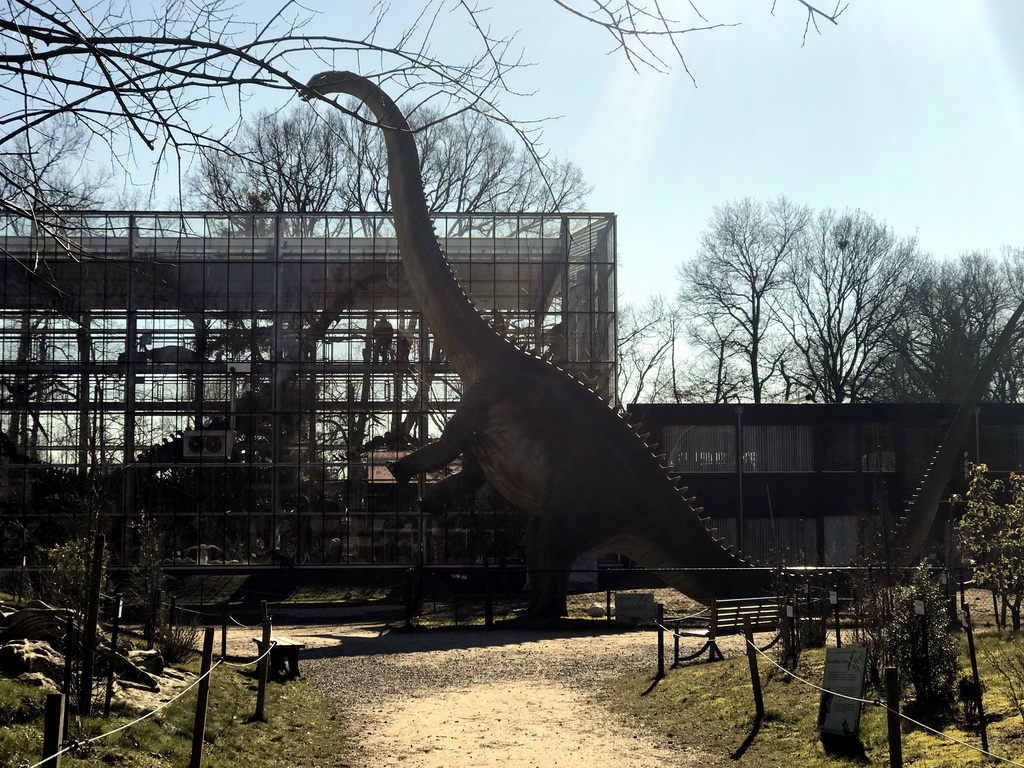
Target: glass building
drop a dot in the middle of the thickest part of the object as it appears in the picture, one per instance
(232, 386)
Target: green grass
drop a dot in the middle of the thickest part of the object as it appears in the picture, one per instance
(710, 707)
(300, 729)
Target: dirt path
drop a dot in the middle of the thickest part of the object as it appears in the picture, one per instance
(480, 698)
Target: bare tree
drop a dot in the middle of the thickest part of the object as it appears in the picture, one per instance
(850, 282)
(732, 285)
(304, 162)
(953, 315)
(647, 348)
(1008, 384)
(143, 81)
(46, 167)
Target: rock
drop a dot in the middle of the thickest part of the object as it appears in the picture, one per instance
(37, 680)
(38, 621)
(20, 656)
(597, 611)
(151, 661)
(127, 668)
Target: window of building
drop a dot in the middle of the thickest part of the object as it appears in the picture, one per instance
(701, 448)
(839, 446)
(1001, 447)
(878, 447)
(778, 448)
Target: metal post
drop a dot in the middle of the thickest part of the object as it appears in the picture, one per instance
(202, 701)
(834, 599)
(224, 633)
(113, 656)
(69, 654)
(488, 600)
(89, 628)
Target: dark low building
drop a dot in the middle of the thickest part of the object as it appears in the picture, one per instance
(810, 483)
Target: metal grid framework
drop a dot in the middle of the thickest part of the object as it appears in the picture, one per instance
(232, 386)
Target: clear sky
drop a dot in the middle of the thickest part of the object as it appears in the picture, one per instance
(910, 110)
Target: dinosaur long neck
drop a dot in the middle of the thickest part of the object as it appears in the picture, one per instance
(466, 339)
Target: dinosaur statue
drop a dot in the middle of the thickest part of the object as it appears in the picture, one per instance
(548, 444)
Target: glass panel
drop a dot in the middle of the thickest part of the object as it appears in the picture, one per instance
(701, 448)
(878, 453)
(778, 448)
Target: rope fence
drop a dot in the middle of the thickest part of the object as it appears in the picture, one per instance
(881, 705)
(56, 743)
(753, 651)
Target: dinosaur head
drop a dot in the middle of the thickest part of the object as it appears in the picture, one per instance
(327, 82)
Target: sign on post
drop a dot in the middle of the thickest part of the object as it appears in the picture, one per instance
(635, 608)
(844, 674)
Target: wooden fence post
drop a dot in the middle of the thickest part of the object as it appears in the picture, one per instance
(202, 701)
(660, 618)
(755, 675)
(263, 669)
(53, 730)
(969, 627)
(892, 703)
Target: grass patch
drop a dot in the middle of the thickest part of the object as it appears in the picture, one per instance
(300, 729)
(709, 707)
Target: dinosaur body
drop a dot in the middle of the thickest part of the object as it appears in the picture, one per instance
(548, 444)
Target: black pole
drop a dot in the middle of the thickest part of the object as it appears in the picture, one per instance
(53, 730)
(92, 618)
(969, 628)
(113, 656)
(202, 701)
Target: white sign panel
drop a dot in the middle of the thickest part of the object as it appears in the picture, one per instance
(635, 607)
(844, 674)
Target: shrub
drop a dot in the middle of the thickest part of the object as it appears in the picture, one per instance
(177, 643)
(922, 646)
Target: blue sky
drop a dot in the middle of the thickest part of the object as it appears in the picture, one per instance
(912, 111)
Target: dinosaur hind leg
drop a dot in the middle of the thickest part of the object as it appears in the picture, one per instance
(549, 559)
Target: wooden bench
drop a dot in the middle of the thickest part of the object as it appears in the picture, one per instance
(727, 617)
(284, 656)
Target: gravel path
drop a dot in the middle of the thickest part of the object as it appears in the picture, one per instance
(434, 699)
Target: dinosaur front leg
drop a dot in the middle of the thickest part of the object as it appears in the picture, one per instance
(429, 458)
(462, 484)
(437, 455)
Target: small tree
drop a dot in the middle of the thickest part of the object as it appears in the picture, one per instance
(921, 645)
(991, 534)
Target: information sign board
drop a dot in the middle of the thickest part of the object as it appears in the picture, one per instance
(844, 674)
